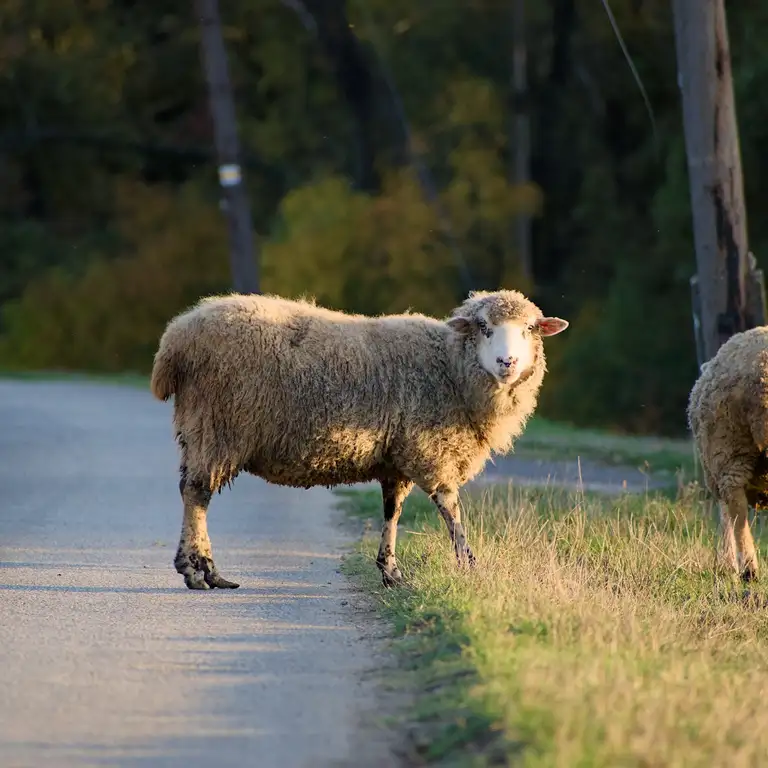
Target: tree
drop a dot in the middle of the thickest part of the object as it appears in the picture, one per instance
(724, 272)
(521, 136)
(235, 198)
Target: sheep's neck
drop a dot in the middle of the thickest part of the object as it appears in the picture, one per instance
(490, 409)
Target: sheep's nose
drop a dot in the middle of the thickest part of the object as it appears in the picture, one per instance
(506, 362)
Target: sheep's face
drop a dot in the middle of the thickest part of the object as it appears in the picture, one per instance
(506, 350)
(507, 335)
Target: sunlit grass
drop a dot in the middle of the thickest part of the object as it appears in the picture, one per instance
(593, 632)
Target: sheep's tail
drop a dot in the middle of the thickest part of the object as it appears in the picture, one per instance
(166, 369)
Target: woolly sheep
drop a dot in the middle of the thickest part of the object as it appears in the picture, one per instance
(728, 417)
(300, 395)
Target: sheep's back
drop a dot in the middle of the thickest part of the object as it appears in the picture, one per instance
(300, 394)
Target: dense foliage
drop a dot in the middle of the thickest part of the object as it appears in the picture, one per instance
(109, 213)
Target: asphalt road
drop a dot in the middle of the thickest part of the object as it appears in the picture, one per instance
(569, 472)
(107, 659)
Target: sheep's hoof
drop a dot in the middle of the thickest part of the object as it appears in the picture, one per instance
(390, 575)
(207, 580)
(392, 578)
(200, 572)
(749, 573)
(214, 580)
(195, 579)
(466, 558)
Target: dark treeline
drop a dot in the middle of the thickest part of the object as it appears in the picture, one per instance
(378, 142)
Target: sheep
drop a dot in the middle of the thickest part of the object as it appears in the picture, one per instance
(728, 418)
(302, 396)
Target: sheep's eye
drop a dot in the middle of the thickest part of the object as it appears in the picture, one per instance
(484, 329)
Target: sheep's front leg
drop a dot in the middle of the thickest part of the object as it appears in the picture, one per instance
(393, 494)
(194, 557)
(737, 536)
(447, 502)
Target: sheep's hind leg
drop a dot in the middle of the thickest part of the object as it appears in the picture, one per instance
(447, 503)
(734, 517)
(393, 493)
(194, 557)
(727, 540)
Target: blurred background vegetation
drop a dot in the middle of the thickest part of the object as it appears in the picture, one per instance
(109, 207)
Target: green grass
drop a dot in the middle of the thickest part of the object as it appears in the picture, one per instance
(594, 632)
(124, 379)
(550, 440)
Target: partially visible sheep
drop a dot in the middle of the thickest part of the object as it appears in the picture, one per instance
(303, 396)
(728, 416)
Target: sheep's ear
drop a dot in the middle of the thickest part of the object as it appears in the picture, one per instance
(549, 326)
(460, 324)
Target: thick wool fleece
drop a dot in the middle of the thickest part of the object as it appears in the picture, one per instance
(301, 395)
(728, 416)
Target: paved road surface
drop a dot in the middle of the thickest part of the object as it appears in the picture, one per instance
(570, 472)
(105, 657)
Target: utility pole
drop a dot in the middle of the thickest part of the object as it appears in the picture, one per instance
(728, 292)
(521, 172)
(245, 274)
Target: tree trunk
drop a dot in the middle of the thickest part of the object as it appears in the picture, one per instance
(245, 274)
(551, 245)
(373, 96)
(715, 177)
(521, 134)
(379, 137)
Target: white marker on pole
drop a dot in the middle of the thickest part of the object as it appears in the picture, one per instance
(229, 175)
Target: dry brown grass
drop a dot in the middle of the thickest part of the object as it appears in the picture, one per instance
(599, 631)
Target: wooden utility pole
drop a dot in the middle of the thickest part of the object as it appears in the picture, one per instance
(243, 262)
(728, 292)
(521, 171)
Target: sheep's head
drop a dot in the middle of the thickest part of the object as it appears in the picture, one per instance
(507, 329)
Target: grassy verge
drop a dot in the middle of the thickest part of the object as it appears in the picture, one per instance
(594, 632)
(550, 440)
(124, 379)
